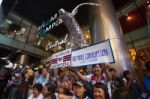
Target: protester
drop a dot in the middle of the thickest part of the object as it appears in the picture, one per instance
(131, 84)
(100, 91)
(115, 83)
(44, 78)
(97, 75)
(37, 92)
(79, 89)
(49, 91)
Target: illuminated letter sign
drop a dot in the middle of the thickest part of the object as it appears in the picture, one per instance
(49, 24)
(57, 43)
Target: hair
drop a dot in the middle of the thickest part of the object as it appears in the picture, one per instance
(147, 65)
(122, 93)
(125, 73)
(112, 69)
(51, 87)
(95, 65)
(38, 86)
(103, 87)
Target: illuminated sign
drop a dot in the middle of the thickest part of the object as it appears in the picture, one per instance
(49, 24)
(57, 43)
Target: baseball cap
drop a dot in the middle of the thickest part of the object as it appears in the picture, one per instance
(80, 83)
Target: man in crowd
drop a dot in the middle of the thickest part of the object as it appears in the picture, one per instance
(44, 78)
(116, 82)
(79, 89)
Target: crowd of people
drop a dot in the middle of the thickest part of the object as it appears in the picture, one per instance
(70, 83)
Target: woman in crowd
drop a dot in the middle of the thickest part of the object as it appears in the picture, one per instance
(37, 92)
(100, 91)
(49, 91)
(131, 84)
(97, 75)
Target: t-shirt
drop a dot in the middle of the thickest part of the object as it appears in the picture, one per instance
(43, 80)
(91, 78)
(39, 97)
(147, 82)
(74, 97)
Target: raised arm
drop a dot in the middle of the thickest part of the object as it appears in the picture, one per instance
(105, 70)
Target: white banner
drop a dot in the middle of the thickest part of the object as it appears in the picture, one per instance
(99, 53)
(61, 59)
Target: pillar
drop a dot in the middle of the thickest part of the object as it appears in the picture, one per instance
(23, 59)
(104, 25)
(2, 15)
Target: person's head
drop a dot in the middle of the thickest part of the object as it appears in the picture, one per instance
(61, 89)
(122, 93)
(79, 89)
(100, 91)
(61, 72)
(44, 72)
(127, 74)
(36, 73)
(37, 89)
(97, 69)
(66, 84)
(112, 72)
(48, 89)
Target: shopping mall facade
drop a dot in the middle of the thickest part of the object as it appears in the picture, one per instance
(127, 28)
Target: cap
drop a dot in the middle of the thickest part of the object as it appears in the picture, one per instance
(36, 69)
(79, 83)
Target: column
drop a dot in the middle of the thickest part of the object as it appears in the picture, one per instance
(2, 15)
(104, 25)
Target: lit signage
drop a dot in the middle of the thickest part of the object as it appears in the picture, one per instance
(49, 24)
(1, 2)
(57, 43)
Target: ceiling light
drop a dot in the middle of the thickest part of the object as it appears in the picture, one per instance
(147, 2)
(87, 36)
(129, 17)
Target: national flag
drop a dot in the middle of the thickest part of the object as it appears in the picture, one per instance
(54, 61)
(67, 58)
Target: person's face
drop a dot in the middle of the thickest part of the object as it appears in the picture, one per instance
(44, 72)
(99, 93)
(45, 90)
(61, 90)
(36, 73)
(66, 85)
(113, 73)
(79, 90)
(97, 70)
(129, 76)
(35, 92)
(61, 74)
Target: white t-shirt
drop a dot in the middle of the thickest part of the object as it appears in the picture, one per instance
(39, 97)
(91, 78)
(74, 97)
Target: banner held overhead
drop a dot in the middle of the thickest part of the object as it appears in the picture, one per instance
(99, 53)
(61, 59)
